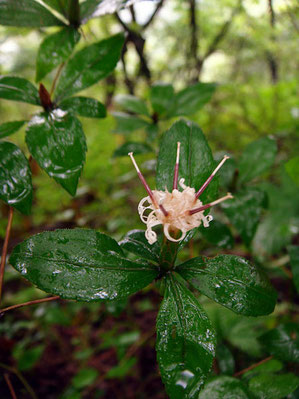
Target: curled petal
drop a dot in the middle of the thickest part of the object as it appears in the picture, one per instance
(168, 236)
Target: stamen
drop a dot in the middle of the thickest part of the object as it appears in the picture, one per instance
(176, 168)
(146, 186)
(202, 208)
(209, 179)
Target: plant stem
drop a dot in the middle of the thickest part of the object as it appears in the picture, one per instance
(11, 390)
(21, 378)
(168, 255)
(56, 78)
(253, 366)
(4, 250)
(20, 305)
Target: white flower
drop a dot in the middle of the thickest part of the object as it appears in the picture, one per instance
(176, 211)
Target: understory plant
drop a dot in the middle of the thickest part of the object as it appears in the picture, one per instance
(86, 265)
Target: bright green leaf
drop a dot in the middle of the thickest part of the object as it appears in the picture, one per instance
(80, 264)
(272, 386)
(132, 104)
(18, 89)
(162, 97)
(257, 158)
(136, 148)
(54, 50)
(185, 342)
(294, 255)
(231, 281)
(30, 357)
(122, 369)
(84, 106)
(57, 142)
(15, 177)
(126, 123)
(224, 387)
(136, 243)
(292, 168)
(89, 65)
(85, 377)
(8, 128)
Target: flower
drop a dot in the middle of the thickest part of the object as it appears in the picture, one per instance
(177, 210)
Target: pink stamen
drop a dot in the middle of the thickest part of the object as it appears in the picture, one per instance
(203, 207)
(146, 186)
(176, 168)
(210, 178)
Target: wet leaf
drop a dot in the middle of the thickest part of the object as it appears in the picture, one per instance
(244, 211)
(8, 128)
(15, 177)
(80, 264)
(218, 234)
(273, 386)
(257, 158)
(136, 148)
(162, 96)
(18, 89)
(89, 65)
(294, 255)
(126, 123)
(136, 243)
(185, 342)
(57, 142)
(26, 13)
(54, 50)
(283, 342)
(132, 104)
(224, 387)
(196, 160)
(84, 106)
(231, 281)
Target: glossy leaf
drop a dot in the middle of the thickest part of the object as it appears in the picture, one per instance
(192, 98)
(57, 142)
(273, 386)
(292, 168)
(80, 264)
(18, 89)
(126, 123)
(136, 243)
(59, 5)
(244, 211)
(8, 128)
(257, 158)
(89, 65)
(185, 342)
(224, 387)
(196, 160)
(283, 342)
(231, 281)
(294, 257)
(15, 177)
(132, 104)
(218, 234)
(136, 148)
(26, 13)
(54, 50)
(84, 106)
(162, 97)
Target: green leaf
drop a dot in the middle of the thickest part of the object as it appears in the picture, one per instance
(244, 211)
(283, 342)
(162, 97)
(196, 160)
(292, 168)
(137, 148)
(136, 243)
(127, 123)
(26, 13)
(85, 377)
(225, 360)
(231, 281)
(8, 128)
(192, 98)
(226, 174)
(84, 106)
(271, 366)
(257, 158)
(57, 142)
(132, 104)
(89, 65)
(218, 234)
(80, 264)
(30, 357)
(54, 50)
(122, 369)
(273, 386)
(185, 342)
(294, 257)
(18, 89)
(15, 177)
(59, 5)
(224, 387)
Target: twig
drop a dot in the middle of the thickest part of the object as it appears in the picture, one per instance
(152, 17)
(56, 78)
(21, 378)
(5, 246)
(20, 305)
(10, 387)
(253, 366)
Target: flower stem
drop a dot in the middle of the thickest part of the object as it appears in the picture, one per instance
(168, 255)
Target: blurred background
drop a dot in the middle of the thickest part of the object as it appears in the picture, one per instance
(248, 48)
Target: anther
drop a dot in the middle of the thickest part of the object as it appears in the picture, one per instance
(203, 207)
(176, 168)
(209, 179)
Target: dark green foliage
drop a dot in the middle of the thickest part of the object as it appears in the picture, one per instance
(18, 89)
(127, 123)
(137, 148)
(224, 388)
(270, 386)
(218, 234)
(294, 255)
(136, 243)
(84, 106)
(8, 128)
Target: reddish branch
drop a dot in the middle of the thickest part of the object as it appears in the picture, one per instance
(253, 366)
(35, 302)
(11, 390)
(4, 249)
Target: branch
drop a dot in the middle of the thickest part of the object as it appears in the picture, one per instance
(193, 27)
(35, 302)
(5, 246)
(10, 386)
(253, 366)
(152, 17)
